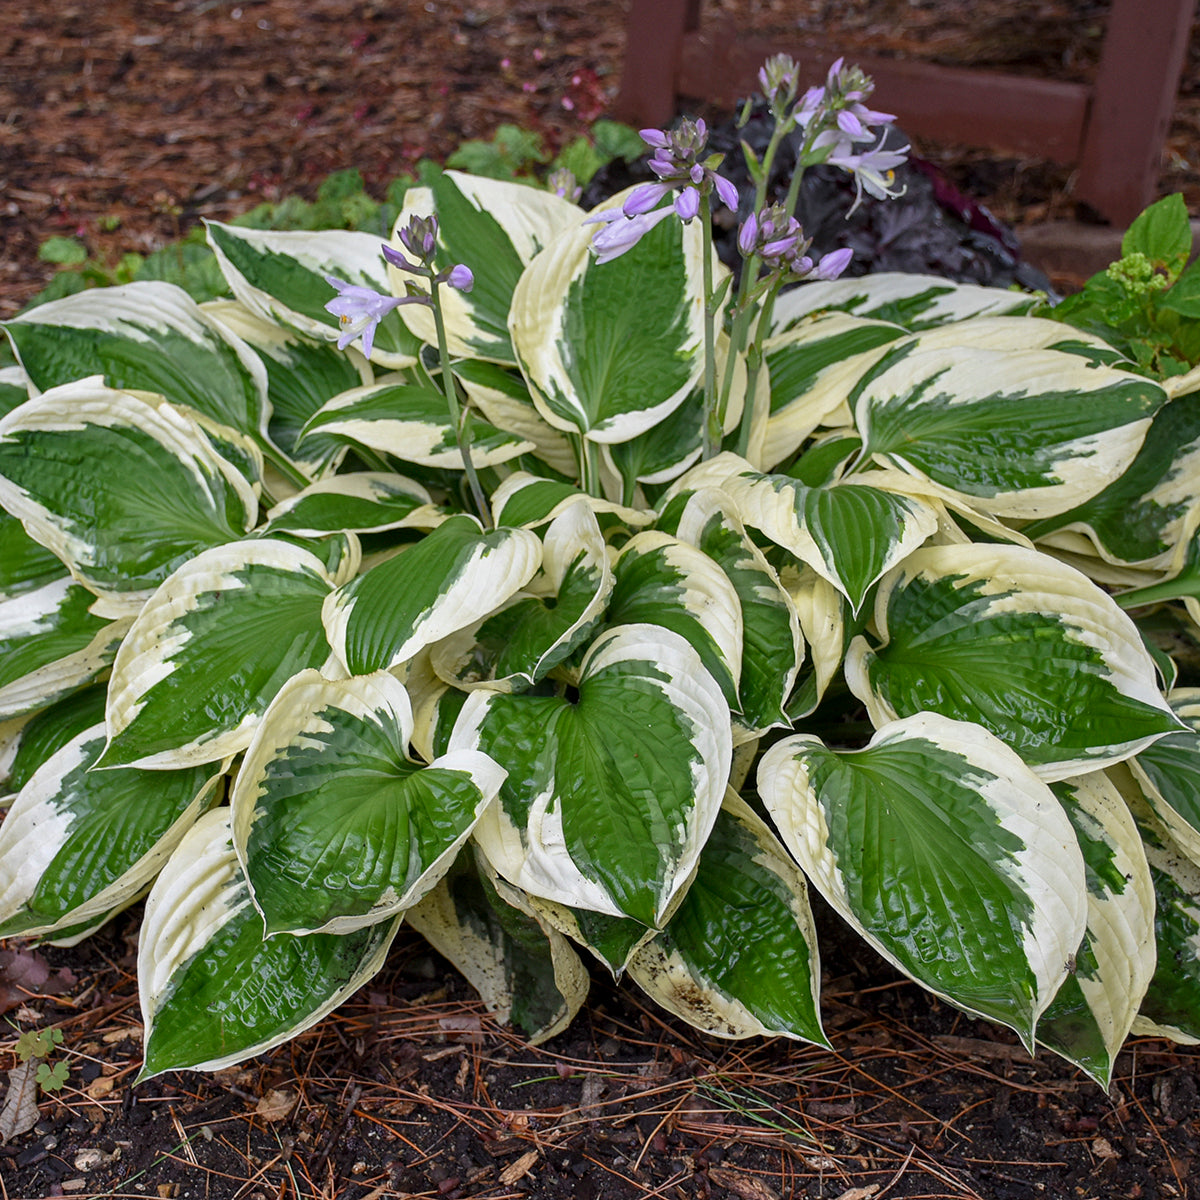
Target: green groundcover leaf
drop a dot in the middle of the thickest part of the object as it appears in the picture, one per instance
(945, 852)
(444, 583)
(213, 990)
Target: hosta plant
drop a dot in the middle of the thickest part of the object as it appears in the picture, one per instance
(748, 589)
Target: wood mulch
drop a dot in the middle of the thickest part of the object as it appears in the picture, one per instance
(122, 124)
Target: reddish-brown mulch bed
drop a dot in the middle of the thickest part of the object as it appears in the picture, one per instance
(122, 123)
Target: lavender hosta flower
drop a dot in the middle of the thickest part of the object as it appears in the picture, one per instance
(419, 238)
(874, 171)
(458, 276)
(621, 233)
(359, 311)
(833, 264)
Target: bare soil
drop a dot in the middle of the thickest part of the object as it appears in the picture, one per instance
(123, 123)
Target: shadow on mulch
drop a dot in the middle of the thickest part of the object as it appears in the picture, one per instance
(412, 1089)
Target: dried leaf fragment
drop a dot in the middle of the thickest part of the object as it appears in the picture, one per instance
(20, 1112)
(860, 1193)
(518, 1169)
(745, 1186)
(276, 1104)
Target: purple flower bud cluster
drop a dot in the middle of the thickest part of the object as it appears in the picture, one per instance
(563, 183)
(778, 240)
(360, 309)
(838, 116)
(681, 173)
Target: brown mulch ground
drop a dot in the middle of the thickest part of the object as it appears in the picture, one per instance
(124, 122)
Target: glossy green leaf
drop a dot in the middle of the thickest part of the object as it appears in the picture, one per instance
(526, 501)
(149, 337)
(1024, 645)
(24, 564)
(945, 852)
(214, 991)
(444, 583)
(915, 302)
(51, 643)
(123, 490)
(739, 956)
(610, 797)
(48, 731)
(302, 374)
(1169, 772)
(411, 423)
(78, 842)
(210, 650)
(662, 580)
(1141, 516)
(363, 502)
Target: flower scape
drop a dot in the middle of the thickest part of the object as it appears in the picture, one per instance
(530, 580)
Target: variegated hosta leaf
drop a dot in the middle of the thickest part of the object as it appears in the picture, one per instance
(123, 490)
(812, 368)
(334, 826)
(280, 277)
(819, 607)
(1171, 1007)
(665, 451)
(1169, 772)
(78, 842)
(503, 398)
(301, 375)
(444, 583)
(1019, 643)
(611, 940)
(149, 337)
(596, 363)
(826, 458)
(739, 957)
(1021, 434)
(525, 501)
(662, 580)
(364, 502)
(24, 563)
(772, 649)
(14, 388)
(522, 967)
(518, 644)
(47, 732)
(214, 990)
(849, 533)
(914, 301)
(210, 650)
(945, 852)
(1094, 1009)
(1142, 516)
(495, 227)
(609, 798)
(50, 644)
(411, 423)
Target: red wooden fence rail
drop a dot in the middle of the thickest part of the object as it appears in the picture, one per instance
(1113, 131)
